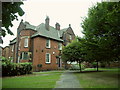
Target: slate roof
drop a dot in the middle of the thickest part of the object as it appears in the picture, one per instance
(51, 33)
(13, 41)
(62, 31)
(29, 26)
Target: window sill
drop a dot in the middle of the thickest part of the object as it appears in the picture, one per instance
(25, 47)
(47, 62)
(48, 47)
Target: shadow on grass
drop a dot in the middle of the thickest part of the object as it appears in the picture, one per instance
(104, 73)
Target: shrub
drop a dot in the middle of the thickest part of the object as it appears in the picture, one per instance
(39, 66)
(13, 69)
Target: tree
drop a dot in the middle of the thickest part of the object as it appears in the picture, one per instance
(72, 52)
(9, 13)
(102, 32)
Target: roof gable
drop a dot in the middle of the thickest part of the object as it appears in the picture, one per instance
(13, 41)
(51, 33)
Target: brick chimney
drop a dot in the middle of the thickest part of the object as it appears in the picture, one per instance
(57, 26)
(47, 23)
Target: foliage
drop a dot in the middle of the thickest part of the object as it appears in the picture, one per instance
(10, 12)
(72, 52)
(13, 69)
(102, 32)
(39, 65)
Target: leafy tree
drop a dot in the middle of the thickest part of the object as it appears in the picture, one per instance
(9, 13)
(102, 32)
(72, 52)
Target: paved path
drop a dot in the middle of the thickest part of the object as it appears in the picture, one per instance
(68, 80)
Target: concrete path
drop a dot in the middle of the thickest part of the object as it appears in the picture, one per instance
(68, 80)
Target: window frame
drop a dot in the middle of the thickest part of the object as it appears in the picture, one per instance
(26, 40)
(59, 46)
(48, 43)
(22, 56)
(12, 48)
(49, 58)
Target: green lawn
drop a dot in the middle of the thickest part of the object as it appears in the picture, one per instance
(107, 78)
(35, 80)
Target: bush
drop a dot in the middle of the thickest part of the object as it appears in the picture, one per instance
(39, 66)
(13, 69)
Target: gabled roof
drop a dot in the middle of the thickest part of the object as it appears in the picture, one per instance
(29, 26)
(13, 41)
(42, 31)
(62, 31)
(51, 33)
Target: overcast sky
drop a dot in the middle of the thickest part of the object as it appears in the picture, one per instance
(64, 12)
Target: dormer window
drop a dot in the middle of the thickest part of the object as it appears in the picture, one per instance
(26, 42)
(60, 46)
(48, 43)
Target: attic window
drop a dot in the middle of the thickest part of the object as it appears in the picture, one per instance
(60, 46)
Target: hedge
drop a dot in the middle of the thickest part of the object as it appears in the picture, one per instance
(14, 69)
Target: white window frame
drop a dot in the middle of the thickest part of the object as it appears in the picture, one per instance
(60, 44)
(49, 58)
(26, 42)
(48, 42)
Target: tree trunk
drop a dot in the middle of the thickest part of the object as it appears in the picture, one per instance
(80, 66)
(65, 65)
(97, 65)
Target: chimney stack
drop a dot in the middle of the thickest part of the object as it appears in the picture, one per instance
(47, 23)
(57, 26)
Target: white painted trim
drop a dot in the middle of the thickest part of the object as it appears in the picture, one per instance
(49, 58)
(26, 42)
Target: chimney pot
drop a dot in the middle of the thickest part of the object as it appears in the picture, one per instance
(57, 26)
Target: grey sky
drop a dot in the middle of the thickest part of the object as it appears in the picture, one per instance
(64, 12)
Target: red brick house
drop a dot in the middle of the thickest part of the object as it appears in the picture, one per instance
(40, 44)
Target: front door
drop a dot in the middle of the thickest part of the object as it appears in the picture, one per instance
(59, 63)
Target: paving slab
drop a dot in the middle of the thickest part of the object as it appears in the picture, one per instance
(68, 80)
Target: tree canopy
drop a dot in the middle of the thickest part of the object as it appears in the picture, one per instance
(101, 41)
(102, 31)
(72, 52)
(10, 12)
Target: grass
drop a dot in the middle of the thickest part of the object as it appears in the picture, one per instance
(107, 78)
(35, 80)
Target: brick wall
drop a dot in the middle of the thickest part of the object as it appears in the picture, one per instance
(40, 51)
(23, 35)
(6, 52)
(67, 36)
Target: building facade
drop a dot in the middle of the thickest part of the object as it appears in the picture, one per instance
(40, 44)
